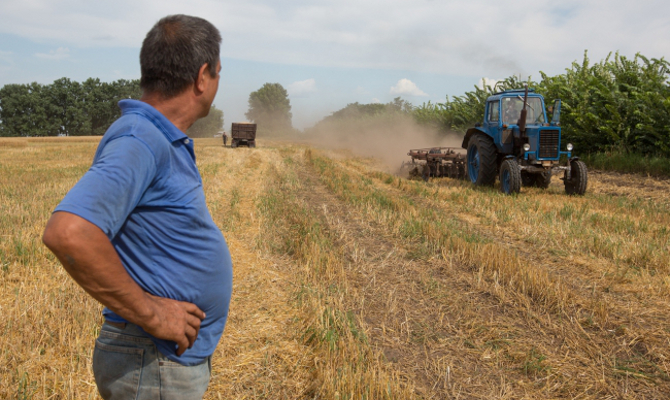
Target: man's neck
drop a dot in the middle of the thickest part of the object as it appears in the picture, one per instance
(180, 109)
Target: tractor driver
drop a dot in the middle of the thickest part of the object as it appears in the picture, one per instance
(511, 115)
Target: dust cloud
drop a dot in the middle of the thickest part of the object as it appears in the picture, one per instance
(386, 139)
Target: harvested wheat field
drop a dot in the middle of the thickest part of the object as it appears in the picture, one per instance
(353, 283)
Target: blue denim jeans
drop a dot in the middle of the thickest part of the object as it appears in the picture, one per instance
(127, 365)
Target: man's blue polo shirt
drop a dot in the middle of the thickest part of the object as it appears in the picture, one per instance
(145, 193)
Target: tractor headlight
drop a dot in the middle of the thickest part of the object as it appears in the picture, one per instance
(526, 147)
(570, 147)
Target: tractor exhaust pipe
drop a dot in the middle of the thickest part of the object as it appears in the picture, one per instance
(522, 117)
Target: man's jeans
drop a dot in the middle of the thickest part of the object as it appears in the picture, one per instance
(127, 366)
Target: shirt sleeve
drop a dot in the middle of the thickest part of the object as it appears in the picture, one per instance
(114, 185)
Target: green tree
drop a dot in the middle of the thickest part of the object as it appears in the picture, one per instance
(207, 126)
(100, 106)
(65, 109)
(23, 110)
(270, 107)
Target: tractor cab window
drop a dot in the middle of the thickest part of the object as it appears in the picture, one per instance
(512, 110)
(494, 111)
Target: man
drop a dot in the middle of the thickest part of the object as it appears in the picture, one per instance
(225, 138)
(136, 234)
(511, 115)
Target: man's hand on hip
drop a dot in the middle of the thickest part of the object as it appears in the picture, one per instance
(89, 257)
(174, 320)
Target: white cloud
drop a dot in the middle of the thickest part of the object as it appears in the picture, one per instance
(60, 53)
(407, 87)
(302, 88)
(375, 101)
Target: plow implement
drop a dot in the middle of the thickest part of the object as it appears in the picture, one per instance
(435, 162)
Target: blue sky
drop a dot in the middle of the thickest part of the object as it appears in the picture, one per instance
(329, 53)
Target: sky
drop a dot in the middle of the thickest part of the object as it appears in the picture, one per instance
(329, 53)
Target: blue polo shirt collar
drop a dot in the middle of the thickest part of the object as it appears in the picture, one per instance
(171, 132)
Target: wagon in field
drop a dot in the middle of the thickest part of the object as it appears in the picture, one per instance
(243, 134)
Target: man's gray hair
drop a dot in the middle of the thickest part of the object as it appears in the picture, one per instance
(173, 52)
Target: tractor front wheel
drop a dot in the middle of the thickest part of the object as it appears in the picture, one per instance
(510, 177)
(578, 178)
(481, 160)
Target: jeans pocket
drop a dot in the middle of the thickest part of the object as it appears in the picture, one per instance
(117, 370)
(180, 382)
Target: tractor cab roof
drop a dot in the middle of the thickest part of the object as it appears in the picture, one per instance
(512, 93)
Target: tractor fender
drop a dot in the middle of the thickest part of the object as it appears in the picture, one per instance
(469, 134)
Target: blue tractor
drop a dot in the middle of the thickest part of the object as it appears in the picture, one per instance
(519, 145)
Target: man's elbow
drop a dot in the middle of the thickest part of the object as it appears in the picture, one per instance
(58, 232)
(51, 236)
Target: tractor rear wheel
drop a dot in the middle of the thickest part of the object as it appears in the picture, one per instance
(578, 178)
(510, 177)
(481, 160)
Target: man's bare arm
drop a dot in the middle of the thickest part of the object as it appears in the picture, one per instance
(89, 257)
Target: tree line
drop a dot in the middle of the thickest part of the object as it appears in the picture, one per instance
(70, 108)
(617, 104)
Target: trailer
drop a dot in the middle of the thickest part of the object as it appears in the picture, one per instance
(243, 134)
(436, 162)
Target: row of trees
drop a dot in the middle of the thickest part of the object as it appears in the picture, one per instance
(618, 104)
(64, 107)
(70, 108)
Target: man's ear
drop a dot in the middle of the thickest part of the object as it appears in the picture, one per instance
(200, 84)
